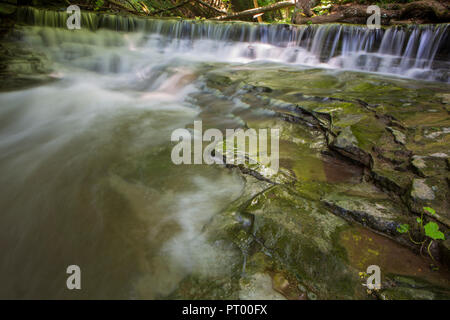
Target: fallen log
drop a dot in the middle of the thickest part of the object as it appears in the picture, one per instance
(420, 11)
(356, 15)
(329, 18)
(211, 7)
(431, 10)
(252, 12)
(132, 5)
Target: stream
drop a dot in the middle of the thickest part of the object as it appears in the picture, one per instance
(85, 155)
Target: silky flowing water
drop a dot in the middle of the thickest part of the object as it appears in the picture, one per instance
(86, 173)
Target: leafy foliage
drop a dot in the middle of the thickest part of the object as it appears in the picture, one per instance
(430, 210)
(432, 231)
(403, 228)
(323, 7)
(98, 4)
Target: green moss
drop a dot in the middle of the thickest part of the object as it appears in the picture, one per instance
(368, 132)
(302, 236)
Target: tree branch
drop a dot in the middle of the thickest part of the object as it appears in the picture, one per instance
(132, 5)
(121, 6)
(211, 7)
(171, 8)
(251, 12)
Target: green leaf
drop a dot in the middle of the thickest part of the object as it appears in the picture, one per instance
(419, 221)
(432, 231)
(403, 228)
(430, 210)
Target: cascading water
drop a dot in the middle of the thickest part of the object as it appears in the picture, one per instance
(413, 52)
(90, 181)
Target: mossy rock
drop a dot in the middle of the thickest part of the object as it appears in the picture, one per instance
(301, 236)
(412, 288)
(373, 209)
(431, 192)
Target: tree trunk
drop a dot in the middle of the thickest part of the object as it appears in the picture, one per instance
(255, 3)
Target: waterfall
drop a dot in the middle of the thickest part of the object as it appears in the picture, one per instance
(419, 52)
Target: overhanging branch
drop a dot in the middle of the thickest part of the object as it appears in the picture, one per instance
(252, 12)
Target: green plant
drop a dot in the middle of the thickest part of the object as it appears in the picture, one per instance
(227, 4)
(323, 7)
(98, 4)
(429, 232)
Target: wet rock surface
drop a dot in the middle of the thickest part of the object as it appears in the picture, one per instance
(359, 157)
(20, 66)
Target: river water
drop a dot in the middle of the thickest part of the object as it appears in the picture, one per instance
(88, 176)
